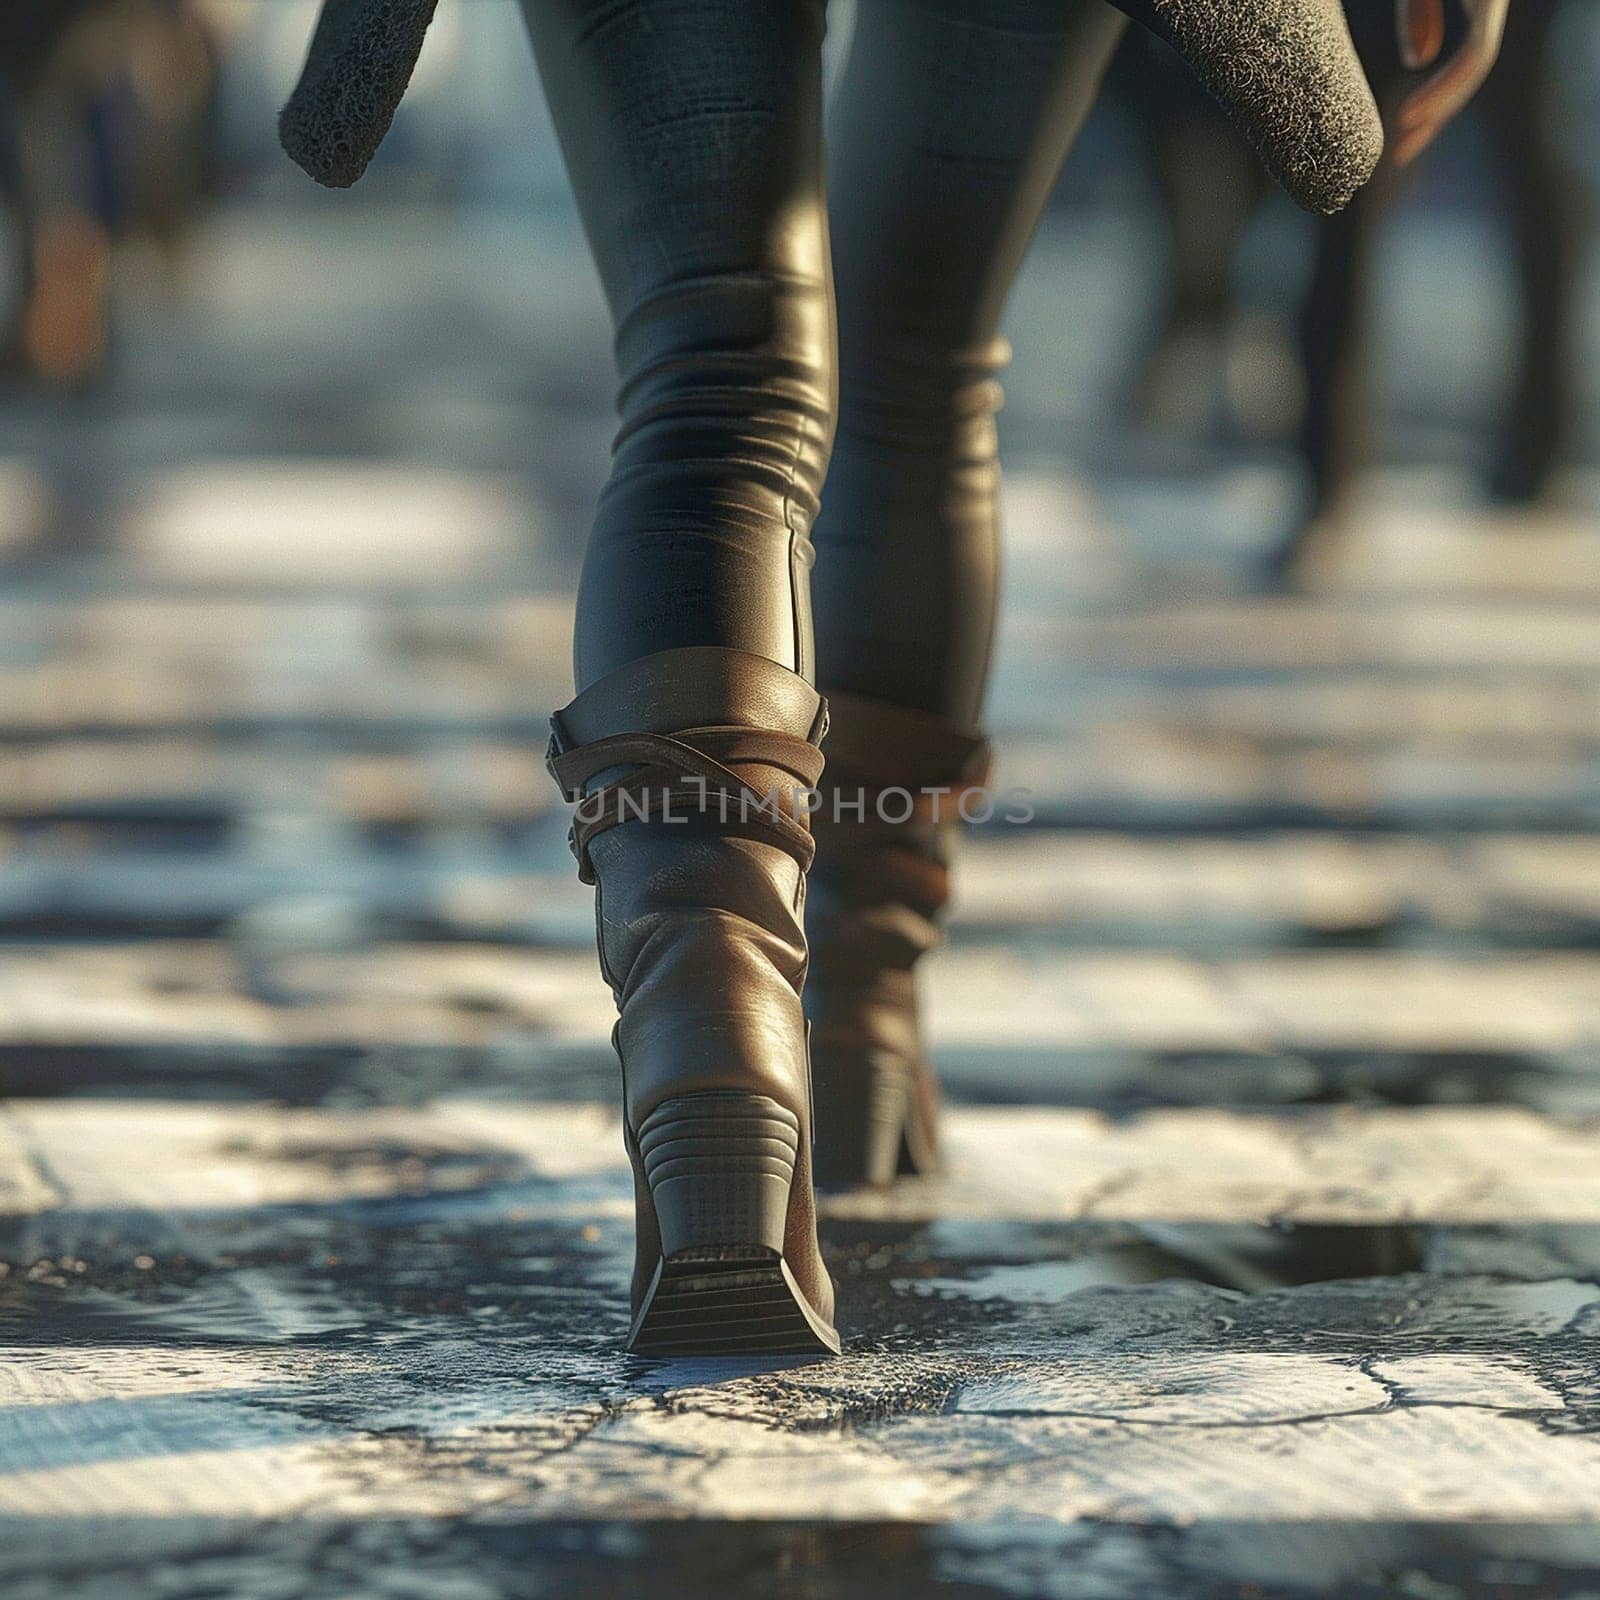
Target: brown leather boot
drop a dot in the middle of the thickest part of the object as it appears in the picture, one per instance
(885, 831)
(689, 770)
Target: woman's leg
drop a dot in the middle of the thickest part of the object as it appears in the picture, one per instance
(691, 129)
(692, 132)
(953, 121)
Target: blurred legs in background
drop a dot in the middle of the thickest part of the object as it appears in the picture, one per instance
(1541, 212)
(56, 327)
(1545, 208)
(1210, 188)
(1209, 185)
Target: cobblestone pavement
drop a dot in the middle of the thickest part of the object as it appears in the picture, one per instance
(1269, 1257)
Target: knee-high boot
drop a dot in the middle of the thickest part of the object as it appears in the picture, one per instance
(885, 831)
(690, 771)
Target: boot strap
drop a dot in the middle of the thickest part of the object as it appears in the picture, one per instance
(879, 757)
(681, 774)
(884, 746)
(855, 804)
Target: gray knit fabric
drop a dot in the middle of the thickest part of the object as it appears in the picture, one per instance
(1284, 70)
(1287, 74)
(361, 59)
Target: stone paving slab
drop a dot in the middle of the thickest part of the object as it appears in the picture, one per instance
(297, 994)
(295, 1009)
(1478, 1164)
(1281, 668)
(1479, 1439)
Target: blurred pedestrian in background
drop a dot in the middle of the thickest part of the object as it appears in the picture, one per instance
(103, 114)
(1210, 190)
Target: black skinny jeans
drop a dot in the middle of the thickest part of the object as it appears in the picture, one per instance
(693, 132)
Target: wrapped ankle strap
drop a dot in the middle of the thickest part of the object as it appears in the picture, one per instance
(685, 774)
(882, 746)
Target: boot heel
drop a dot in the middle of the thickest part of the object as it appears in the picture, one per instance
(720, 1166)
(865, 1112)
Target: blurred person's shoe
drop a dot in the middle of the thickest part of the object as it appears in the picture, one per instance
(65, 325)
(1287, 74)
(1525, 471)
(886, 826)
(1308, 553)
(689, 771)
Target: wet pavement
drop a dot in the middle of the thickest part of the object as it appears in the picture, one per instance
(1268, 1261)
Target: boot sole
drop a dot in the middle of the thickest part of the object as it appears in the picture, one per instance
(720, 1166)
(743, 1302)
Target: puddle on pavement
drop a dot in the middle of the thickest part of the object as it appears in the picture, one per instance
(533, 1063)
(522, 1064)
(1249, 1259)
(1020, 1265)
(1294, 1560)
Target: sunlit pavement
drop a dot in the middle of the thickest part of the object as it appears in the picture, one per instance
(1268, 1260)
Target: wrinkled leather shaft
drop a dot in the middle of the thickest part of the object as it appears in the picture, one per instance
(692, 130)
(879, 886)
(701, 935)
(947, 134)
